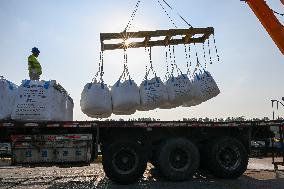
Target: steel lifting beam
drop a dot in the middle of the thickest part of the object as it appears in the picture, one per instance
(169, 37)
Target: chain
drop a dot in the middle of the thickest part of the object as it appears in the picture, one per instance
(275, 12)
(175, 65)
(146, 65)
(129, 24)
(102, 64)
(151, 63)
(174, 55)
(171, 60)
(209, 51)
(99, 71)
(177, 14)
(150, 57)
(198, 65)
(204, 56)
(167, 14)
(216, 48)
(167, 63)
(187, 56)
(125, 70)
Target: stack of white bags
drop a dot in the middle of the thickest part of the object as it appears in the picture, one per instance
(35, 100)
(42, 101)
(124, 98)
(8, 92)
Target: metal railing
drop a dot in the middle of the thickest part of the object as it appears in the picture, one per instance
(276, 149)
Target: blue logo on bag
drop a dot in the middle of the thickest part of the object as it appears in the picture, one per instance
(10, 85)
(89, 85)
(46, 84)
(27, 83)
(117, 83)
(102, 85)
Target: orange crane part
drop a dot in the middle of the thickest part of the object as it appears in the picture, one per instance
(269, 21)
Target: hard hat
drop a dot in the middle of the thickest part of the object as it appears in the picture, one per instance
(35, 50)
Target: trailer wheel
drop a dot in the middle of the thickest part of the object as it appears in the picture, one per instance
(124, 162)
(227, 158)
(178, 159)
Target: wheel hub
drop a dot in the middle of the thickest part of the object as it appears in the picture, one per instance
(179, 159)
(229, 157)
(125, 161)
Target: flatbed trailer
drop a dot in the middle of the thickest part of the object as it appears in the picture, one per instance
(176, 148)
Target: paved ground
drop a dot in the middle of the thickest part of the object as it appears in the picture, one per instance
(260, 175)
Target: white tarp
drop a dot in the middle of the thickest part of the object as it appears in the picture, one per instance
(153, 94)
(41, 101)
(125, 97)
(96, 100)
(8, 92)
(180, 90)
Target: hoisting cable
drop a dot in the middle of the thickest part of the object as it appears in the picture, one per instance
(129, 24)
(177, 13)
(166, 12)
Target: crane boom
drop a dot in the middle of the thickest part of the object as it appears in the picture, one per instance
(269, 21)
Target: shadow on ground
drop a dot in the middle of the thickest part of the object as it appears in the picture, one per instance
(152, 179)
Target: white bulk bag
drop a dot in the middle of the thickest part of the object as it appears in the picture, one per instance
(8, 92)
(153, 94)
(96, 100)
(179, 89)
(209, 88)
(39, 101)
(70, 107)
(125, 97)
(197, 94)
(58, 105)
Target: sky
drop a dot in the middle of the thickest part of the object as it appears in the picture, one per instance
(67, 32)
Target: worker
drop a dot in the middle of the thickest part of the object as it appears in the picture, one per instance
(34, 65)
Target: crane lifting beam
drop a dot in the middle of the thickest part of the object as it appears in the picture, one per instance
(168, 37)
(269, 21)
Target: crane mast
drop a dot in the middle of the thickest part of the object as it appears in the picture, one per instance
(270, 22)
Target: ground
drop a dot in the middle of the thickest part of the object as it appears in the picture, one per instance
(260, 175)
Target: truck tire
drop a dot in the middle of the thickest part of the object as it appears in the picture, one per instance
(124, 162)
(178, 159)
(227, 158)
